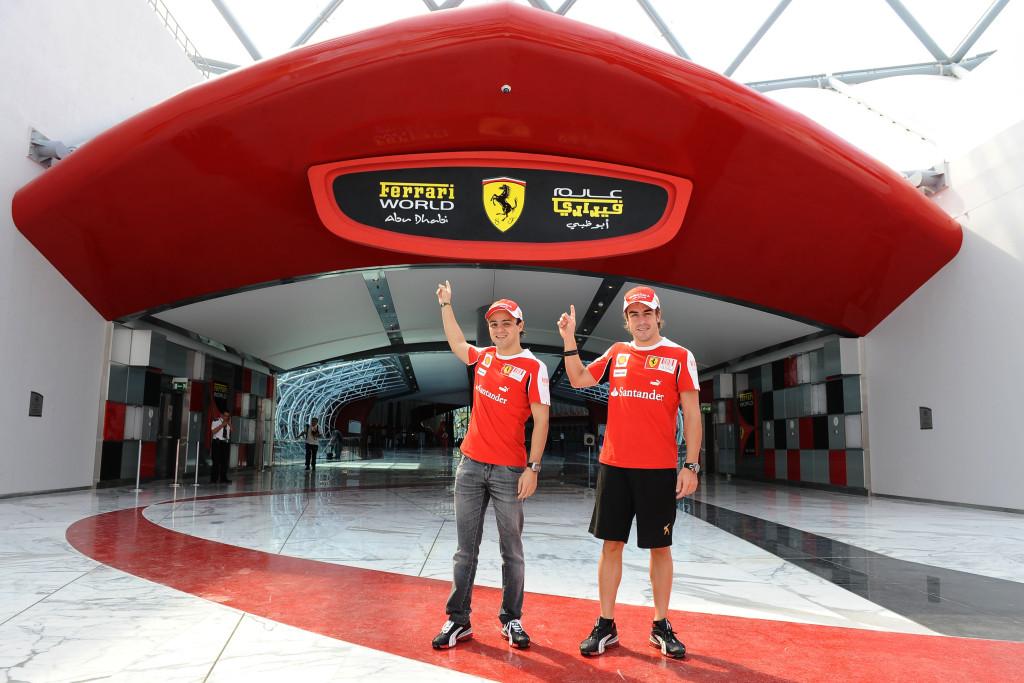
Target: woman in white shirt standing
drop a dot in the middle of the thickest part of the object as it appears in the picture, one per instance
(312, 435)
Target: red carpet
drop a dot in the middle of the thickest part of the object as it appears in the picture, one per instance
(400, 614)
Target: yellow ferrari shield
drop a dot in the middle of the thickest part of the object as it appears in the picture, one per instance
(503, 201)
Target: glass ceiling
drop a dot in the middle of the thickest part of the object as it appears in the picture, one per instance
(909, 121)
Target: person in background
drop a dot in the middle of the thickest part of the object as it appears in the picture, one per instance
(312, 435)
(220, 431)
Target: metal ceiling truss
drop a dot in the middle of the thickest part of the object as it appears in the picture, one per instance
(663, 28)
(237, 29)
(562, 389)
(320, 20)
(380, 295)
(864, 75)
(756, 38)
(172, 25)
(945, 64)
(426, 347)
(322, 391)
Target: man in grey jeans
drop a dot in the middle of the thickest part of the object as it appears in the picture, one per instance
(509, 386)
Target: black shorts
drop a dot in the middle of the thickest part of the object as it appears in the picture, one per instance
(649, 495)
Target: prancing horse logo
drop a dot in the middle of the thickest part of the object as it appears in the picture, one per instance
(503, 201)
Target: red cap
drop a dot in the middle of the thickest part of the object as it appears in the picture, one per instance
(641, 295)
(507, 305)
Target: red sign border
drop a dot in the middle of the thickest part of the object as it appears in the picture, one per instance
(322, 176)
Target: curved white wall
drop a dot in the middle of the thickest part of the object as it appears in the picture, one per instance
(957, 346)
(71, 69)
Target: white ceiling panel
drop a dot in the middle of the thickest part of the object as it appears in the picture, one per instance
(414, 292)
(543, 297)
(714, 331)
(440, 373)
(315, 319)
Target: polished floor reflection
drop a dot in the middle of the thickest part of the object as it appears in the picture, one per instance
(949, 601)
(271, 577)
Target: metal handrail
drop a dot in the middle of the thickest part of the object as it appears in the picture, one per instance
(172, 25)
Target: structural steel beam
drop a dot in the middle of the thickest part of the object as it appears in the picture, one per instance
(865, 75)
(666, 32)
(240, 33)
(986, 19)
(566, 6)
(214, 66)
(918, 30)
(756, 38)
(321, 18)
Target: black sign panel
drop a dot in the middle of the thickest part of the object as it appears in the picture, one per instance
(503, 205)
(35, 404)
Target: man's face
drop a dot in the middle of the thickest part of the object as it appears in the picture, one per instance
(504, 330)
(643, 322)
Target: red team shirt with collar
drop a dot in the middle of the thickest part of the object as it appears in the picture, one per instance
(643, 397)
(503, 390)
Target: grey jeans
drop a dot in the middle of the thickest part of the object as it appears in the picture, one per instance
(476, 483)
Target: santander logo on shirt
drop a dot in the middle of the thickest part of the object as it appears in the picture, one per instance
(491, 395)
(634, 393)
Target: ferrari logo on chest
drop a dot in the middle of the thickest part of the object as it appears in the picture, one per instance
(503, 201)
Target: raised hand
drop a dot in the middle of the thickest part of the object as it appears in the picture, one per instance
(444, 293)
(567, 324)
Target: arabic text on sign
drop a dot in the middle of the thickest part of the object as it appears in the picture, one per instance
(595, 208)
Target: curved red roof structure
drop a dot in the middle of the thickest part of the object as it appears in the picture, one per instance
(209, 192)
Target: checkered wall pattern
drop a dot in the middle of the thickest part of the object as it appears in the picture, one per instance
(808, 419)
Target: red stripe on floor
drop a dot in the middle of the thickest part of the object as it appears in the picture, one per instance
(400, 614)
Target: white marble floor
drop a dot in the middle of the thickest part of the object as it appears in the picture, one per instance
(985, 542)
(64, 617)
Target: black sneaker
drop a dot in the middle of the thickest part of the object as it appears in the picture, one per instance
(603, 635)
(663, 637)
(451, 633)
(517, 637)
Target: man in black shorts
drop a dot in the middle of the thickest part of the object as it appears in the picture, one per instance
(649, 378)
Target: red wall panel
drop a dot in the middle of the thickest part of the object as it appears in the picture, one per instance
(806, 432)
(195, 399)
(837, 468)
(790, 376)
(113, 421)
(147, 468)
(793, 465)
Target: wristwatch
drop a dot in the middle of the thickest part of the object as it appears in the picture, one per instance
(535, 466)
(692, 466)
